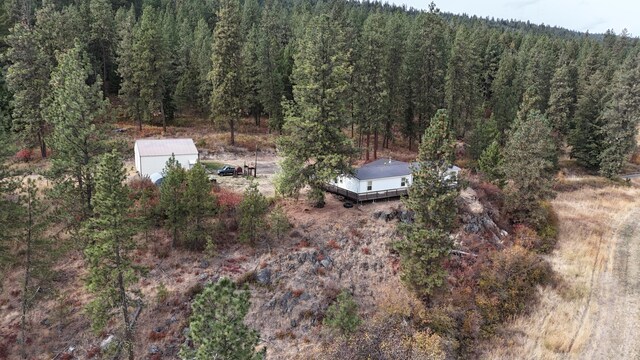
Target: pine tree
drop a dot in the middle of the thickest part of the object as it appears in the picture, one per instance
(561, 101)
(491, 64)
(172, 193)
(278, 223)
(484, 133)
(251, 75)
(6, 122)
(186, 71)
(394, 51)
(343, 314)
(35, 252)
(491, 164)
(129, 92)
(252, 211)
(538, 73)
(437, 143)
(201, 55)
(531, 101)
(8, 209)
(146, 207)
(251, 15)
(226, 64)
(506, 92)
(587, 138)
(273, 64)
(315, 149)
(426, 243)
(621, 117)
(529, 158)
(424, 69)
(169, 67)
(28, 80)
(199, 205)
(111, 271)
(462, 93)
(216, 325)
(150, 59)
(73, 108)
(102, 36)
(371, 94)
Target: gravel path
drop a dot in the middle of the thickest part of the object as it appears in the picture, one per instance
(616, 298)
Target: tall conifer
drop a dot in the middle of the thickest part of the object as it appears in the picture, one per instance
(314, 147)
(226, 69)
(111, 271)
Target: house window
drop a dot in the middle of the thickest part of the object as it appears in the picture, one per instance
(403, 181)
(369, 185)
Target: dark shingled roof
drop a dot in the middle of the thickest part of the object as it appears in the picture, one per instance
(383, 168)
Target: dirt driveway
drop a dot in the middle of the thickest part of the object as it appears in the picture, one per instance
(267, 168)
(616, 298)
(594, 312)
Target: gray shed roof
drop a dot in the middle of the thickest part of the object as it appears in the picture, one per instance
(383, 168)
(159, 147)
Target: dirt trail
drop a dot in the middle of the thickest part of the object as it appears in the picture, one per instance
(615, 298)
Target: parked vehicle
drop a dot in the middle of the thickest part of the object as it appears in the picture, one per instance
(227, 170)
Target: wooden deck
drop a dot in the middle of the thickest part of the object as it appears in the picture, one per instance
(368, 196)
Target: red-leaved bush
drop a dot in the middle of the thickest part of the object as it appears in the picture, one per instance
(24, 155)
(228, 199)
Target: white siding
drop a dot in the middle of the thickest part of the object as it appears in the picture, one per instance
(148, 165)
(346, 182)
(390, 183)
(136, 152)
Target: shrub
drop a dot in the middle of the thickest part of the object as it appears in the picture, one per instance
(161, 293)
(315, 197)
(387, 338)
(635, 158)
(24, 155)
(526, 237)
(252, 211)
(333, 244)
(194, 290)
(427, 345)
(278, 223)
(548, 231)
(228, 199)
(155, 336)
(146, 197)
(508, 284)
(343, 315)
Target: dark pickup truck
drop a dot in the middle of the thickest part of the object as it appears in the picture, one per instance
(227, 170)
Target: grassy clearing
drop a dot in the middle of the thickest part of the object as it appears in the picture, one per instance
(211, 165)
(563, 322)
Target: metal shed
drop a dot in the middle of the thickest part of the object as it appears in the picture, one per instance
(151, 155)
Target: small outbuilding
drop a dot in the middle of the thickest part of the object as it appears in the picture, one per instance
(380, 179)
(151, 155)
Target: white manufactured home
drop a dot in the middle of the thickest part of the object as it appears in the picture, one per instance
(151, 155)
(383, 178)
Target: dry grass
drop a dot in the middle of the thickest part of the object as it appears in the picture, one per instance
(562, 323)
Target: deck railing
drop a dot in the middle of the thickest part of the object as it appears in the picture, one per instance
(368, 196)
